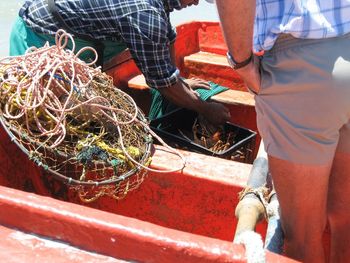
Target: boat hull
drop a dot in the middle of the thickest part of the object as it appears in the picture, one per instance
(184, 216)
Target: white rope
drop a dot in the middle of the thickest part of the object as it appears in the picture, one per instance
(274, 234)
(272, 209)
(254, 247)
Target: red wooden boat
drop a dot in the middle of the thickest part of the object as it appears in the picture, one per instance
(186, 216)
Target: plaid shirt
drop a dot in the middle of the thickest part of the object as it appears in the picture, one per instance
(300, 18)
(143, 25)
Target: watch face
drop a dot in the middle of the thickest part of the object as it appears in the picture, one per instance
(230, 60)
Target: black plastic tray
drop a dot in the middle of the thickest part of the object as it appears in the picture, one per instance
(168, 126)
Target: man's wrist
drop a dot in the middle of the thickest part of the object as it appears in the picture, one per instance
(201, 106)
(238, 64)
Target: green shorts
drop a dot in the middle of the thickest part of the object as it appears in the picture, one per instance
(303, 106)
(22, 37)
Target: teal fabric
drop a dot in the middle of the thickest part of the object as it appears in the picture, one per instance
(22, 37)
(161, 106)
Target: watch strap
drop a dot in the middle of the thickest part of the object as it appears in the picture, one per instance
(238, 65)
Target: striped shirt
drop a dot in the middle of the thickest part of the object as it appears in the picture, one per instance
(143, 25)
(300, 18)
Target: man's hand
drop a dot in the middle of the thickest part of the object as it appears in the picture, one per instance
(216, 113)
(195, 83)
(251, 75)
(184, 96)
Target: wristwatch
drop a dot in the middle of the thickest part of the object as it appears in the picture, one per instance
(236, 65)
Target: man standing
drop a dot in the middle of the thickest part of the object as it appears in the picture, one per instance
(302, 92)
(111, 26)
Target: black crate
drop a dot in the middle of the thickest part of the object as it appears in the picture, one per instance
(168, 126)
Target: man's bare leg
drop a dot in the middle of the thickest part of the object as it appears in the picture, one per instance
(339, 208)
(302, 193)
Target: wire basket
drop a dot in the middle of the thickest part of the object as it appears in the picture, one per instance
(69, 119)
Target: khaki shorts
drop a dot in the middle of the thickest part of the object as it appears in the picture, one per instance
(303, 106)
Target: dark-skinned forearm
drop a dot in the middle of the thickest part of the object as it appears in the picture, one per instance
(184, 97)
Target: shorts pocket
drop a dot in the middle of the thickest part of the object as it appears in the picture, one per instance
(261, 80)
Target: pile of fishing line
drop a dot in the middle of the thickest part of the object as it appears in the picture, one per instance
(69, 119)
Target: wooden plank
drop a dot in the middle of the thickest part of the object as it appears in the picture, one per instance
(235, 97)
(207, 58)
(138, 82)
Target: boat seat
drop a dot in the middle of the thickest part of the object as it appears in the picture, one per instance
(138, 82)
(207, 58)
(235, 97)
(213, 67)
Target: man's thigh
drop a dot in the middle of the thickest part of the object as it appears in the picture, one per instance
(304, 98)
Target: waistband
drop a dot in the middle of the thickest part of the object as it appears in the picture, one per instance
(286, 41)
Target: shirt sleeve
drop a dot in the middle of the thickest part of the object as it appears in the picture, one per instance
(171, 33)
(147, 35)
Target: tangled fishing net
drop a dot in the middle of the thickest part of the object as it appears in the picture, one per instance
(69, 119)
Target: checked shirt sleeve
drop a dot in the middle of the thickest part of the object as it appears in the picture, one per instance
(146, 33)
